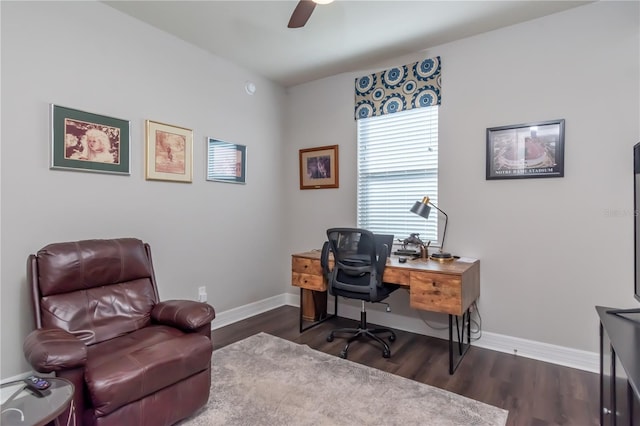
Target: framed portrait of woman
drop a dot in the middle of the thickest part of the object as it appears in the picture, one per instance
(88, 142)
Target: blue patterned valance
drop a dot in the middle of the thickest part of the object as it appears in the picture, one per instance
(398, 89)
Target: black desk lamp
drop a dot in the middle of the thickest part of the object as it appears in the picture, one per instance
(421, 208)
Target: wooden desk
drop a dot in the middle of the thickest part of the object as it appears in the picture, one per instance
(449, 288)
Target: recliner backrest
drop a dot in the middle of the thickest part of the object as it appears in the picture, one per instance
(97, 289)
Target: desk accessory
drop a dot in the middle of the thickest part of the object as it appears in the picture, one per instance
(414, 239)
(406, 252)
(442, 259)
(421, 208)
(424, 250)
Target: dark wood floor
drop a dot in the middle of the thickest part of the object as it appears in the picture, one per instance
(536, 393)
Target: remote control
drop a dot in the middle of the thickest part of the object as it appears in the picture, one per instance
(37, 384)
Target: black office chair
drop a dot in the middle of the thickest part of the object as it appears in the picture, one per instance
(357, 274)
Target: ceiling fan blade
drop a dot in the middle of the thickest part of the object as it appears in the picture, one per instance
(301, 13)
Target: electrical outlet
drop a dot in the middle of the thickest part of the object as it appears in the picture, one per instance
(202, 294)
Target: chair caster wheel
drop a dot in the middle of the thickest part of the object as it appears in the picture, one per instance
(386, 354)
(330, 338)
(343, 354)
(392, 338)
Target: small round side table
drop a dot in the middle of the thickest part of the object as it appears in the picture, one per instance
(21, 407)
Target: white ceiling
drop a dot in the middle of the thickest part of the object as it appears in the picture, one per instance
(339, 37)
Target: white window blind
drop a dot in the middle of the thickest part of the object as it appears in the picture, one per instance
(397, 166)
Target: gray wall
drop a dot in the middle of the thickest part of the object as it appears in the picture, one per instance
(550, 249)
(88, 56)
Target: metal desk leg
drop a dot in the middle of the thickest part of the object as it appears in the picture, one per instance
(462, 347)
(321, 320)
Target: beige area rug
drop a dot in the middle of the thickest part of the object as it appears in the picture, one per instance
(266, 380)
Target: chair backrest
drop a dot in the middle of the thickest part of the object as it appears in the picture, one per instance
(96, 289)
(359, 264)
(384, 239)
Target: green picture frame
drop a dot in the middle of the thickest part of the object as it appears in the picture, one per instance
(226, 162)
(88, 142)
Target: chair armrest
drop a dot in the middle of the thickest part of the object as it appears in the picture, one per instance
(324, 259)
(382, 261)
(183, 314)
(54, 349)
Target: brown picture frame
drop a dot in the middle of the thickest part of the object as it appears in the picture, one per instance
(169, 152)
(319, 167)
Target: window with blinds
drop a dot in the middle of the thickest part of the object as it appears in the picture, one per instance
(397, 166)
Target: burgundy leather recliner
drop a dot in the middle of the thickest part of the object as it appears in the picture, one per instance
(100, 324)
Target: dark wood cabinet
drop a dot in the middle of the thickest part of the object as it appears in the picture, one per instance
(619, 368)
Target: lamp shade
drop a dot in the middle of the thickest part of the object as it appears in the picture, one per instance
(422, 208)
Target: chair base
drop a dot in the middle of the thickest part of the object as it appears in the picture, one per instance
(362, 330)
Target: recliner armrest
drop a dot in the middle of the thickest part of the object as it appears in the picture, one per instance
(183, 314)
(54, 349)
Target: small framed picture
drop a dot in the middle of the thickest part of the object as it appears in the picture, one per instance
(319, 167)
(83, 141)
(532, 150)
(226, 162)
(169, 152)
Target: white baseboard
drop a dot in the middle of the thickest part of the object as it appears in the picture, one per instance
(231, 316)
(560, 355)
(568, 357)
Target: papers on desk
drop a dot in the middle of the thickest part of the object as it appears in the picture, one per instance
(466, 260)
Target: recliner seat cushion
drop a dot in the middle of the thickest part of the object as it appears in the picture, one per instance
(119, 347)
(145, 363)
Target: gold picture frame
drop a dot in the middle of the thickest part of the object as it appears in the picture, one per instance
(319, 167)
(169, 152)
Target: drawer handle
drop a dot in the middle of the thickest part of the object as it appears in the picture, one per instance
(606, 411)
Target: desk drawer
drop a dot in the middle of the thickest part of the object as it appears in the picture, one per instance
(436, 293)
(397, 276)
(308, 281)
(306, 266)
